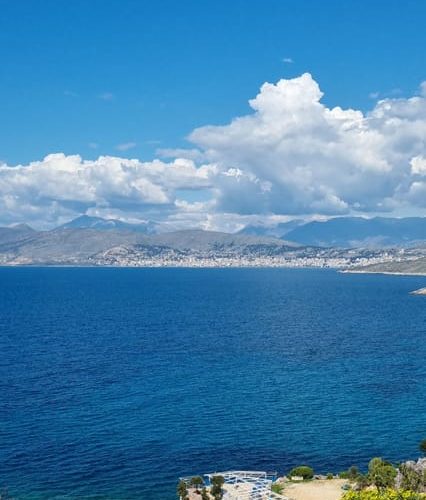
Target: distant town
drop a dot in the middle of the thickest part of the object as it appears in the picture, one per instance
(86, 241)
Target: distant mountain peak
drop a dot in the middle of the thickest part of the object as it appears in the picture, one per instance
(22, 227)
(91, 222)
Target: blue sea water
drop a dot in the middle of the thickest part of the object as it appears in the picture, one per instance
(114, 382)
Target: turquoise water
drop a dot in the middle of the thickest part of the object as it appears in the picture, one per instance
(113, 382)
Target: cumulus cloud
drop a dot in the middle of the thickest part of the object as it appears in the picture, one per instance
(290, 156)
(60, 186)
(293, 155)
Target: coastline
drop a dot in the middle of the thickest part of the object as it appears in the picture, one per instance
(176, 265)
(392, 273)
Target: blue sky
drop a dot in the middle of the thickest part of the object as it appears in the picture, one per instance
(129, 79)
(171, 66)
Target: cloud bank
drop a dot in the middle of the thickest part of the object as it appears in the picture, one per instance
(290, 156)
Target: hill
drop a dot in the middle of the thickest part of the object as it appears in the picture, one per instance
(82, 246)
(16, 233)
(409, 266)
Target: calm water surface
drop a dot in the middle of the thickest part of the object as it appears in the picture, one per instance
(113, 382)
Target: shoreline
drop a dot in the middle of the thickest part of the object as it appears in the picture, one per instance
(391, 273)
(171, 266)
(212, 266)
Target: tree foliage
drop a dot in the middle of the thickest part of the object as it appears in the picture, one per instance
(204, 494)
(382, 474)
(353, 472)
(182, 490)
(197, 482)
(277, 488)
(412, 478)
(302, 471)
(216, 488)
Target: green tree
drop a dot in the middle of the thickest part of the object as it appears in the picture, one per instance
(382, 474)
(182, 490)
(197, 481)
(302, 471)
(216, 489)
(422, 446)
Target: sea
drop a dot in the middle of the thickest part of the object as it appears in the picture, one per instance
(116, 382)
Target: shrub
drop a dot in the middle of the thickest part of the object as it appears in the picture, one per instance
(387, 494)
(382, 474)
(302, 471)
(362, 481)
(422, 446)
(353, 472)
(277, 488)
(330, 475)
(411, 479)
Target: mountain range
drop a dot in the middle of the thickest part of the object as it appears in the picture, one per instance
(350, 232)
(93, 240)
(84, 245)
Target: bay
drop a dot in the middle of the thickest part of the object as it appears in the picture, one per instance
(115, 382)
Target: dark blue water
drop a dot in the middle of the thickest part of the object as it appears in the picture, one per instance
(113, 382)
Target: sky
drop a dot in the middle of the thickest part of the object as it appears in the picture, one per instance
(211, 114)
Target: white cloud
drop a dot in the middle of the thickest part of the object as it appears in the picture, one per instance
(294, 155)
(125, 146)
(290, 156)
(418, 165)
(288, 60)
(192, 154)
(62, 186)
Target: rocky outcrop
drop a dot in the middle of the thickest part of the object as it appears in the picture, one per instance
(412, 475)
